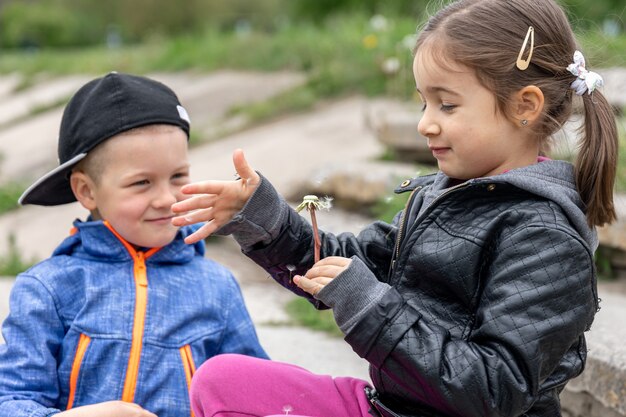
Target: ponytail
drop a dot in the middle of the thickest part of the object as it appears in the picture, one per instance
(597, 159)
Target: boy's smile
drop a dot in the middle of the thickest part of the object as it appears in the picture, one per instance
(466, 132)
(141, 179)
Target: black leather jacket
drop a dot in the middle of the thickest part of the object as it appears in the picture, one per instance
(475, 305)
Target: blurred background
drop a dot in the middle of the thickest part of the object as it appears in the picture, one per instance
(320, 94)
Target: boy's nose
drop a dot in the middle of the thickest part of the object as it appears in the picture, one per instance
(165, 197)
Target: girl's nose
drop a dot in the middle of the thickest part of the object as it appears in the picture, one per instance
(427, 127)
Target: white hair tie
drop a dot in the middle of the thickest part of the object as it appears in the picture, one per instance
(585, 80)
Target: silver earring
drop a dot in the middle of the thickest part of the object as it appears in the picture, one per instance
(524, 122)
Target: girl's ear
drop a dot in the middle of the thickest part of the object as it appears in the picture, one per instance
(83, 188)
(527, 104)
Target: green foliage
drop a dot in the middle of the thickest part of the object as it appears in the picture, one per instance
(320, 10)
(9, 194)
(604, 267)
(386, 209)
(586, 14)
(71, 23)
(54, 23)
(601, 50)
(303, 313)
(12, 264)
(31, 25)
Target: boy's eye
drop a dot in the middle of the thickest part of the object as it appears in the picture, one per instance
(424, 107)
(141, 182)
(180, 175)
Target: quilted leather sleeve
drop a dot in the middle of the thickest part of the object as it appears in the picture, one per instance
(280, 240)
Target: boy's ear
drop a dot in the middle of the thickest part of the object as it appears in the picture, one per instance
(83, 189)
(527, 104)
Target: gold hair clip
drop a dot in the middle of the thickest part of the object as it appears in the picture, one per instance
(522, 64)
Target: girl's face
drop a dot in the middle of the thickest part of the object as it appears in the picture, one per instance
(466, 132)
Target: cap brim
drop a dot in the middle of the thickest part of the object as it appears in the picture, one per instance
(53, 188)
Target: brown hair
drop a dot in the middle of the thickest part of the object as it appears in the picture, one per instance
(486, 36)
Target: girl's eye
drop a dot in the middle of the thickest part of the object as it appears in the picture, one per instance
(447, 107)
(141, 182)
(424, 108)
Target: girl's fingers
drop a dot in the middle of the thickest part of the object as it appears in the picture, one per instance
(193, 203)
(328, 267)
(202, 233)
(204, 187)
(244, 170)
(309, 285)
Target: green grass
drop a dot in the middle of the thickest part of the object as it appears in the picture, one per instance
(333, 55)
(12, 263)
(303, 313)
(9, 194)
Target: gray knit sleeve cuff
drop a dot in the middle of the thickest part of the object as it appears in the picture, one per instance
(260, 219)
(352, 293)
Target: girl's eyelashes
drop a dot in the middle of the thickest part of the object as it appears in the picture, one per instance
(448, 108)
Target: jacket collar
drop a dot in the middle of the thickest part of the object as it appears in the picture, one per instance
(550, 179)
(93, 239)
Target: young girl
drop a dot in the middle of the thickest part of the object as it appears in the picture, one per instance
(475, 300)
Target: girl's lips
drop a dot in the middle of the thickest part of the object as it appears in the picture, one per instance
(438, 151)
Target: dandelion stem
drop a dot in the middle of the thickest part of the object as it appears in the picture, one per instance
(316, 236)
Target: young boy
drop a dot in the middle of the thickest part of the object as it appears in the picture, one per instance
(116, 321)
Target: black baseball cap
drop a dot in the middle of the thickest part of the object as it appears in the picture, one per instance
(100, 109)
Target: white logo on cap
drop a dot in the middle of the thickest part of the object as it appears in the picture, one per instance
(183, 114)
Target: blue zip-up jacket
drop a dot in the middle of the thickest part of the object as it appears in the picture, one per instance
(100, 321)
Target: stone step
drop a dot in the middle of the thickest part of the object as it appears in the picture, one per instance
(600, 391)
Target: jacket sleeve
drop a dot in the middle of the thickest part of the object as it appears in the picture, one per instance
(281, 241)
(240, 335)
(538, 298)
(28, 369)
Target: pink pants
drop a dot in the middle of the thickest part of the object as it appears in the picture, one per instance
(233, 385)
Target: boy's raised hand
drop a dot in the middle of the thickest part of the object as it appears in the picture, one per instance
(108, 409)
(216, 202)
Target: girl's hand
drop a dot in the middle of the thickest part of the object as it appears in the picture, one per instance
(108, 409)
(321, 274)
(216, 202)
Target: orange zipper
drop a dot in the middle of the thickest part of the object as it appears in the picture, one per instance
(141, 302)
(83, 342)
(188, 365)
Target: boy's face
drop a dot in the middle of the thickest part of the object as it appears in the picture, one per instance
(141, 178)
